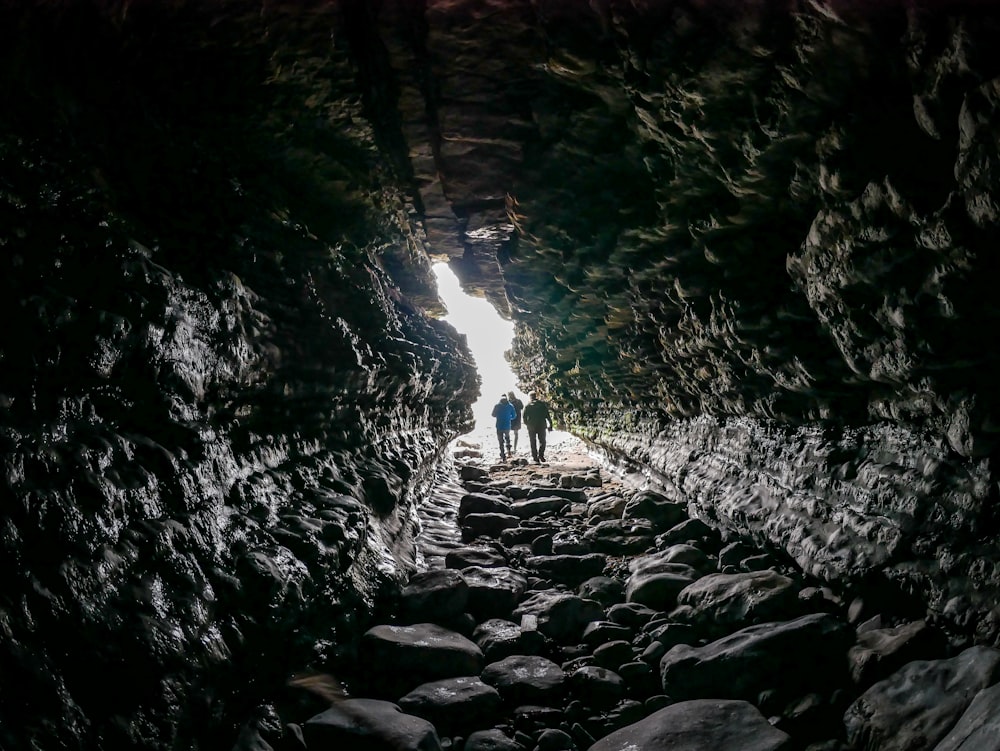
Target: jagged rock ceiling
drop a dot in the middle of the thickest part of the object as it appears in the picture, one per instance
(749, 249)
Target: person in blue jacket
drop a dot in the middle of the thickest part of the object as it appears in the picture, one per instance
(505, 413)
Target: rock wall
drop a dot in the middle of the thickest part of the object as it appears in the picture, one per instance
(750, 251)
(748, 247)
(221, 399)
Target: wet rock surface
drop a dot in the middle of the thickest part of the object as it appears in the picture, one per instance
(751, 658)
(749, 251)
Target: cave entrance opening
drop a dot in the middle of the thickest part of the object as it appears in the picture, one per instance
(489, 336)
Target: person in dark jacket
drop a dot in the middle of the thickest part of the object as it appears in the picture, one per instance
(537, 421)
(515, 425)
(504, 412)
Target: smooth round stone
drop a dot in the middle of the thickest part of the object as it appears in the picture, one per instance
(604, 589)
(423, 652)
(493, 591)
(369, 725)
(598, 687)
(474, 555)
(613, 654)
(554, 739)
(434, 595)
(526, 679)
(454, 704)
(631, 614)
(482, 503)
(601, 632)
(491, 740)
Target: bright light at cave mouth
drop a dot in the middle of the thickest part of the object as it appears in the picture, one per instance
(489, 337)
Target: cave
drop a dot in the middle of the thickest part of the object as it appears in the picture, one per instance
(746, 247)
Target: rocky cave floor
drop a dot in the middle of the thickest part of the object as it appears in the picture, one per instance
(563, 606)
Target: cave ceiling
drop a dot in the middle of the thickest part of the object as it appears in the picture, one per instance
(749, 249)
(767, 209)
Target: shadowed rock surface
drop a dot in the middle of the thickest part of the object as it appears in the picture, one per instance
(748, 248)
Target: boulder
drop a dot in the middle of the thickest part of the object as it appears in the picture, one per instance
(659, 510)
(419, 653)
(470, 471)
(561, 616)
(608, 507)
(493, 592)
(611, 654)
(690, 555)
(491, 740)
(715, 724)
(534, 506)
(368, 725)
(721, 603)
(882, 651)
(692, 532)
(631, 614)
(475, 555)
(526, 533)
(978, 728)
(596, 687)
(566, 569)
(570, 542)
(620, 536)
(600, 632)
(526, 679)
(577, 496)
(916, 707)
(605, 589)
(656, 581)
(482, 503)
(487, 525)
(454, 705)
(435, 595)
(787, 659)
(499, 638)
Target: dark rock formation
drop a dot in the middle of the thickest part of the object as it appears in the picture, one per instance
(749, 249)
(220, 397)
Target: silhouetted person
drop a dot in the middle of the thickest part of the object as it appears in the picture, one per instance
(537, 421)
(504, 412)
(515, 424)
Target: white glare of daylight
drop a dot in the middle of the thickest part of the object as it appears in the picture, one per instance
(489, 337)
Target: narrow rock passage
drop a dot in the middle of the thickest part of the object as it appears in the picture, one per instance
(560, 608)
(440, 531)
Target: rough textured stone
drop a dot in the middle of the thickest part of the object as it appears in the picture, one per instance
(721, 602)
(561, 616)
(499, 638)
(881, 651)
(789, 659)
(433, 595)
(493, 592)
(747, 248)
(369, 725)
(568, 569)
(526, 679)
(656, 582)
(491, 740)
(421, 652)
(696, 725)
(482, 503)
(978, 729)
(535, 506)
(604, 589)
(916, 706)
(454, 705)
